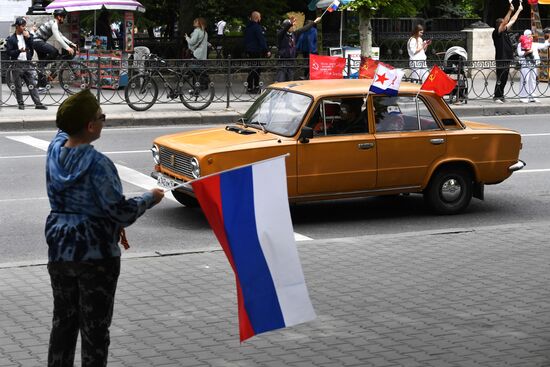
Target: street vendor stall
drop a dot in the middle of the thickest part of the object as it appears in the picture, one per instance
(110, 57)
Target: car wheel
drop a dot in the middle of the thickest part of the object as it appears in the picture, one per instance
(449, 191)
(185, 199)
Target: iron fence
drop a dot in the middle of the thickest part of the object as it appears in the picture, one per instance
(230, 78)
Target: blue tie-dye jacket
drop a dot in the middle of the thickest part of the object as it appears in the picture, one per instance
(88, 207)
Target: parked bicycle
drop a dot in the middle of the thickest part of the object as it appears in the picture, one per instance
(191, 85)
(73, 74)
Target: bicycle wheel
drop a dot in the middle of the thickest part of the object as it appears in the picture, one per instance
(194, 94)
(74, 76)
(141, 92)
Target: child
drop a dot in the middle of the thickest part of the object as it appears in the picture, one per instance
(526, 43)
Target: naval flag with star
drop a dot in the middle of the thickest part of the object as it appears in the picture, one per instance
(386, 80)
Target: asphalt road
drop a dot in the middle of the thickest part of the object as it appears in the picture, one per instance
(171, 228)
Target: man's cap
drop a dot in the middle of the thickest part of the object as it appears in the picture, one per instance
(19, 21)
(527, 32)
(76, 111)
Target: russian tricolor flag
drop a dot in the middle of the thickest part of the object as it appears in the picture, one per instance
(333, 6)
(248, 210)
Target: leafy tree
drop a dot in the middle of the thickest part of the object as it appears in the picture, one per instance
(368, 8)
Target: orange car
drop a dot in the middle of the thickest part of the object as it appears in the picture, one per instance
(344, 142)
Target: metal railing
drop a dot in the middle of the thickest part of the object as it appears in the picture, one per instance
(231, 77)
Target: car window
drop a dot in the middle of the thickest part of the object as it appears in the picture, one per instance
(340, 116)
(277, 111)
(402, 113)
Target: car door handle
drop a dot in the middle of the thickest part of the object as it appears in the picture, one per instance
(437, 141)
(365, 145)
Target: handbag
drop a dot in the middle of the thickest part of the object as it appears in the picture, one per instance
(187, 53)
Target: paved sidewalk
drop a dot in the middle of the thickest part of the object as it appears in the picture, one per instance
(461, 297)
(12, 118)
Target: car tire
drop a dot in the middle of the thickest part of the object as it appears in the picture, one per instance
(449, 191)
(185, 199)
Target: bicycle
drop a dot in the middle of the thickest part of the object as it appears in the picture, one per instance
(73, 74)
(142, 90)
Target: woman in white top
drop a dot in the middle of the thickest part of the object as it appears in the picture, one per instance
(416, 48)
(529, 69)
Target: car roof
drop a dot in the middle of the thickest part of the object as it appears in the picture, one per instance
(319, 88)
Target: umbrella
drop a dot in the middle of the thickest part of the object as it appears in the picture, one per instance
(78, 5)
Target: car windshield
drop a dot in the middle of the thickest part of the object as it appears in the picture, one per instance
(278, 111)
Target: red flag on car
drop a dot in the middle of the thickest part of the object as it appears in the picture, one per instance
(326, 67)
(367, 68)
(439, 82)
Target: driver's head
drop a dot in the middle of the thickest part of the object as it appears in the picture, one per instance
(350, 110)
(59, 15)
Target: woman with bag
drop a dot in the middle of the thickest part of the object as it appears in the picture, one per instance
(198, 41)
(198, 44)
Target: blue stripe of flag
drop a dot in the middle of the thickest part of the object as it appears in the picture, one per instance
(387, 91)
(260, 297)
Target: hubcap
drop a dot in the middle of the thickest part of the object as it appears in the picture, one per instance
(451, 190)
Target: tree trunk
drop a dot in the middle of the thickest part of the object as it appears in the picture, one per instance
(365, 35)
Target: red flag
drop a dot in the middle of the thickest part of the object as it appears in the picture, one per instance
(367, 68)
(439, 82)
(326, 67)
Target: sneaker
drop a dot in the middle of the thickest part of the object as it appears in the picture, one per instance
(42, 90)
(498, 100)
(535, 100)
(524, 100)
(40, 107)
(21, 106)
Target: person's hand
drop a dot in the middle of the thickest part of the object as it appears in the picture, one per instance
(23, 49)
(293, 20)
(268, 54)
(158, 194)
(26, 34)
(520, 8)
(71, 51)
(317, 20)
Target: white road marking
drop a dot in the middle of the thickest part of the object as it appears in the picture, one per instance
(533, 170)
(126, 174)
(540, 134)
(106, 153)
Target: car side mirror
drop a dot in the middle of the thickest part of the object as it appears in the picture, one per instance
(306, 134)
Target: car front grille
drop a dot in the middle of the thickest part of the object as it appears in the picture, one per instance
(177, 162)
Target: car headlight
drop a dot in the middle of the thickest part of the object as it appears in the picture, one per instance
(195, 168)
(155, 152)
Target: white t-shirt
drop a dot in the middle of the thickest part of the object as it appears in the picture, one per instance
(412, 44)
(20, 45)
(220, 26)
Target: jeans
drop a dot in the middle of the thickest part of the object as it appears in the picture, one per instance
(83, 296)
(24, 71)
(503, 69)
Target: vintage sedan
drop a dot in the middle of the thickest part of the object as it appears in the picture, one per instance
(344, 142)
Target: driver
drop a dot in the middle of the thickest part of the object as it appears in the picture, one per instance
(46, 51)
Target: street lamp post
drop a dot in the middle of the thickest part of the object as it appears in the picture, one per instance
(37, 8)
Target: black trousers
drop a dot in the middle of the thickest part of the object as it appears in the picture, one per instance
(46, 52)
(253, 79)
(503, 69)
(83, 297)
(24, 71)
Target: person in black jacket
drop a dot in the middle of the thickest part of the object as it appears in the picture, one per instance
(20, 51)
(255, 47)
(504, 50)
(286, 42)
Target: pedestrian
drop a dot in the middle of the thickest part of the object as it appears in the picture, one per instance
(255, 47)
(20, 51)
(198, 44)
(529, 61)
(198, 41)
(307, 44)
(286, 43)
(87, 218)
(504, 50)
(416, 47)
